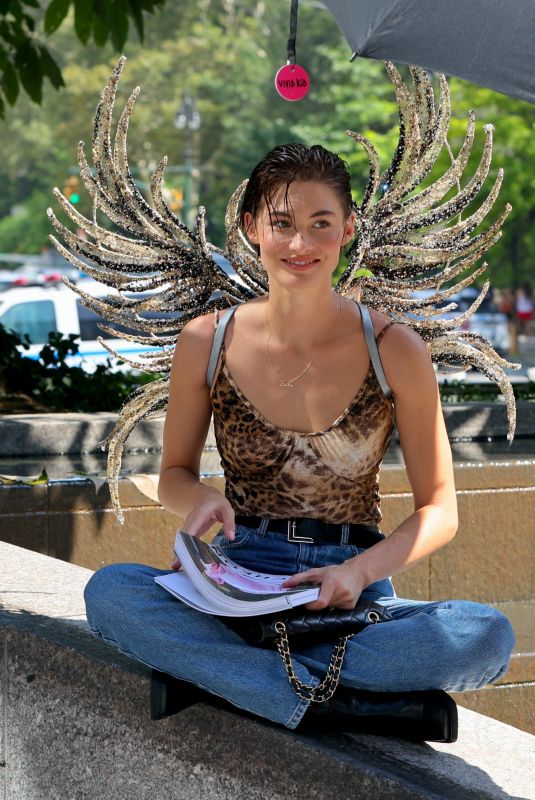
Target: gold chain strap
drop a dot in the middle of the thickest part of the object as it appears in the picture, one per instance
(324, 690)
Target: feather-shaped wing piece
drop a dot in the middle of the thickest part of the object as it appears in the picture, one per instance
(410, 239)
(160, 273)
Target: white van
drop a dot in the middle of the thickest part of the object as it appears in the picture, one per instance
(36, 311)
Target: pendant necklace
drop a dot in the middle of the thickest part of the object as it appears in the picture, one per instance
(289, 383)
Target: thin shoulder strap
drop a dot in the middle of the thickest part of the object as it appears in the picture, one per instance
(374, 350)
(218, 343)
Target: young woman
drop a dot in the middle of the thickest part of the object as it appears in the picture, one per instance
(305, 389)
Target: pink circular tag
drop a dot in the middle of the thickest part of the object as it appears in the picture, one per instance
(292, 82)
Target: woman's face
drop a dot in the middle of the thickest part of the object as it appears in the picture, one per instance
(300, 240)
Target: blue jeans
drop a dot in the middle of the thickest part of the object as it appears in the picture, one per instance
(454, 645)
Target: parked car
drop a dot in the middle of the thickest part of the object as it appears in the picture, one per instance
(9, 279)
(37, 275)
(488, 321)
(36, 311)
(44, 269)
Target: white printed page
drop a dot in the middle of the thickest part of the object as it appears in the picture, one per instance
(210, 569)
(179, 585)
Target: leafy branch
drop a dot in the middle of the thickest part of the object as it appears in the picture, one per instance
(51, 383)
(25, 59)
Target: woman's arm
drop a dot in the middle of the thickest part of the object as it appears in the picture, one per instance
(428, 461)
(186, 426)
(427, 454)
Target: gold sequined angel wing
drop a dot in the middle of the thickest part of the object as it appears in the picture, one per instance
(160, 274)
(411, 239)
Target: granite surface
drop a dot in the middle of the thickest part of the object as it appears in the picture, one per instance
(77, 725)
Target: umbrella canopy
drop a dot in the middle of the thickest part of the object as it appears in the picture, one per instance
(488, 42)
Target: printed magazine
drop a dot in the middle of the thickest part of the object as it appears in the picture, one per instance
(211, 582)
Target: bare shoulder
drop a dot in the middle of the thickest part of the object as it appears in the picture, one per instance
(192, 351)
(404, 356)
(200, 330)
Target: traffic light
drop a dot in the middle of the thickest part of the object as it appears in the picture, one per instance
(177, 199)
(71, 189)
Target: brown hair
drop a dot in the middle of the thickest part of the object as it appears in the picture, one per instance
(295, 162)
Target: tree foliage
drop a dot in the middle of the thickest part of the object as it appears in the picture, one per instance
(226, 53)
(49, 381)
(26, 60)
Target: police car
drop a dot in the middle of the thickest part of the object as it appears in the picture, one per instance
(36, 311)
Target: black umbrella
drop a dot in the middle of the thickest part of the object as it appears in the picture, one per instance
(488, 42)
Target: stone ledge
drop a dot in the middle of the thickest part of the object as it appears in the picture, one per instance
(47, 434)
(77, 725)
(72, 520)
(79, 493)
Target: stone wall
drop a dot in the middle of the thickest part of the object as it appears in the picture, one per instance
(491, 559)
(76, 725)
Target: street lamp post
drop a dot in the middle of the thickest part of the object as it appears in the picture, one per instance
(187, 119)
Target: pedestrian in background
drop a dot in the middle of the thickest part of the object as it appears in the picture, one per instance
(524, 308)
(506, 305)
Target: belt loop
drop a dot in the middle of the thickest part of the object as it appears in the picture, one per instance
(264, 522)
(345, 533)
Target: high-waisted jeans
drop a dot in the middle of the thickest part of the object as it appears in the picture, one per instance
(454, 645)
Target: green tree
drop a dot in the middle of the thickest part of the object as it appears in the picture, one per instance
(26, 60)
(226, 58)
(226, 53)
(27, 229)
(510, 260)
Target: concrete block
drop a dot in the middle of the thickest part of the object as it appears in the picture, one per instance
(25, 530)
(84, 732)
(393, 480)
(475, 419)
(3, 689)
(78, 494)
(27, 434)
(95, 538)
(415, 582)
(78, 726)
(491, 559)
(522, 669)
(513, 704)
(499, 475)
(17, 498)
(479, 475)
(45, 434)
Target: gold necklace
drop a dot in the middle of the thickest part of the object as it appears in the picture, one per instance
(288, 384)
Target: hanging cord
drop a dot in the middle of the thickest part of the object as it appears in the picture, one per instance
(290, 51)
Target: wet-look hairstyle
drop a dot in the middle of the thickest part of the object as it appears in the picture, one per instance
(295, 162)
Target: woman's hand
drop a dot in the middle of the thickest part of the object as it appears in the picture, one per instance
(213, 507)
(341, 585)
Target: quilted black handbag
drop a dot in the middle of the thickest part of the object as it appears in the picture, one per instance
(308, 626)
(303, 626)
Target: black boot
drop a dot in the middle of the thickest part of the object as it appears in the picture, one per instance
(422, 716)
(169, 695)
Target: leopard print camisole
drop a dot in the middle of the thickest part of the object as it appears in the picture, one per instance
(331, 475)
